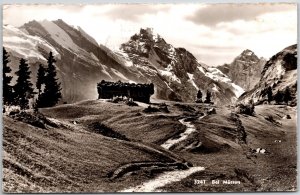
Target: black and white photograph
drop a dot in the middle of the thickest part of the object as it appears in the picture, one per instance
(156, 97)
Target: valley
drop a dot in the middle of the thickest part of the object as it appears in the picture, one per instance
(230, 128)
(73, 154)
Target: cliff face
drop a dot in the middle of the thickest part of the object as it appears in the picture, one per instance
(245, 70)
(177, 74)
(278, 74)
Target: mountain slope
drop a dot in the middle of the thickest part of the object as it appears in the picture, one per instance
(279, 73)
(245, 69)
(75, 157)
(177, 74)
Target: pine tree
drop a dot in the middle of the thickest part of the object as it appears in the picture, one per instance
(279, 96)
(51, 94)
(41, 75)
(23, 87)
(269, 94)
(7, 89)
(208, 97)
(287, 95)
(199, 94)
(199, 97)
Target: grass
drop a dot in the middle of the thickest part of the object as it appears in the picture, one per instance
(274, 171)
(93, 139)
(69, 158)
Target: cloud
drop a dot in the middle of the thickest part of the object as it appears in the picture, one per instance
(217, 13)
(229, 28)
(134, 12)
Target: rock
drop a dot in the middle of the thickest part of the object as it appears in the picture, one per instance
(212, 111)
(287, 117)
(14, 112)
(260, 150)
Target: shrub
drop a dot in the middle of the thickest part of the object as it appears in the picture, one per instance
(164, 108)
(150, 109)
(247, 109)
(130, 102)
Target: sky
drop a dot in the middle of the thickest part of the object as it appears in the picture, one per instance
(214, 33)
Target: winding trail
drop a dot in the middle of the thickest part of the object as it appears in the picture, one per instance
(190, 129)
(163, 179)
(168, 177)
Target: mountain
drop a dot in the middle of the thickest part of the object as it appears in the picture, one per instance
(145, 58)
(177, 74)
(245, 69)
(279, 73)
(81, 62)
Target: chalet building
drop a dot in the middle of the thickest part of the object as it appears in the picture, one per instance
(138, 92)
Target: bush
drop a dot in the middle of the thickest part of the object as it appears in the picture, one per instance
(116, 99)
(164, 108)
(150, 109)
(130, 102)
(34, 119)
(247, 109)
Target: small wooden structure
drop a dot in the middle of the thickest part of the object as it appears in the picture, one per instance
(138, 92)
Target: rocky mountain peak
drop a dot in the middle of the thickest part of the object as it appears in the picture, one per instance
(245, 70)
(248, 56)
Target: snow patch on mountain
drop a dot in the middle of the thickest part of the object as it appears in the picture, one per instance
(123, 57)
(201, 69)
(104, 70)
(94, 57)
(119, 74)
(238, 91)
(191, 80)
(169, 75)
(24, 45)
(59, 36)
(215, 88)
(168, 86)
(216, 75)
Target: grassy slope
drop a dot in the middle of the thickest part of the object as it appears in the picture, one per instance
(275, 171)
(131, 121)
(70, 158)
(73, 158)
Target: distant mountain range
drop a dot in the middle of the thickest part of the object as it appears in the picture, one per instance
(146, 57)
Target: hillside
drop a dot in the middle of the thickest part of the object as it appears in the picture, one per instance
(96, 146)
(69, 156)
(278, 74)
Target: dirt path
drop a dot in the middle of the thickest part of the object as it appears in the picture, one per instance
(163, 179)
(167, 177)
(190, 129)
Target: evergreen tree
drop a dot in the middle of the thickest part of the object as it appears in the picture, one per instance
(23, 87)
(7, 89)
(287, 95)
(41, 75)
(279, 96)
(199, 97)
(51, 94)
(199, 94)
(208, 97)
(269, 94)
